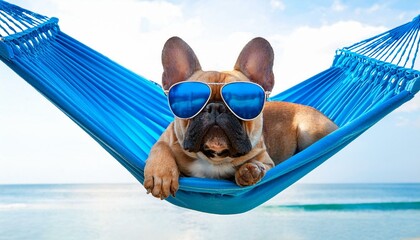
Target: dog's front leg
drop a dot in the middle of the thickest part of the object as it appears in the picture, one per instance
(161, 173)
(254, 170)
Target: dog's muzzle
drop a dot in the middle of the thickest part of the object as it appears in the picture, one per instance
(216, 131)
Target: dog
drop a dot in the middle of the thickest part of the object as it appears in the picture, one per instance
(216, 138)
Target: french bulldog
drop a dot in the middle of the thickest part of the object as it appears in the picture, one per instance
(215, 143)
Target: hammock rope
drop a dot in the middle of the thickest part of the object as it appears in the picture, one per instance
(126, 113)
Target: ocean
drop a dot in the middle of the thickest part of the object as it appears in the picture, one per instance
(125, 211)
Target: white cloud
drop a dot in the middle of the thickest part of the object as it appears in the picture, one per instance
(409, 120)
(130, 32)
(374, 8)
(278, 4)
(308, 50)
(411, 106)
(402, 121)
(370, 10)
(338, 6)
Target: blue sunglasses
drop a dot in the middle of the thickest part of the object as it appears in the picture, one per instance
(244, 99)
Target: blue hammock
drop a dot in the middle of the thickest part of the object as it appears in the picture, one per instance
(126, 113)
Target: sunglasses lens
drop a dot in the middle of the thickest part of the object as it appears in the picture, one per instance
(244, 99)
(186, 99)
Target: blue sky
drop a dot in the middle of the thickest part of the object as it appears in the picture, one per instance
(39, 144)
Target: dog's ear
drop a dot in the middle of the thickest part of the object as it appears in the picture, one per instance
(256, 62)
(179, 62)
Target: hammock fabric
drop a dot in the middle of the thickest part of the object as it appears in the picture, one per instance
(126, 113)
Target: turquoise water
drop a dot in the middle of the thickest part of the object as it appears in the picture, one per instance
(304, 211)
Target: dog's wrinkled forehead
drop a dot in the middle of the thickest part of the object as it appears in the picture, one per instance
(218, 77)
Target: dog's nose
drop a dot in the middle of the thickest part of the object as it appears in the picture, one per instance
(215, 108)
(212, 150)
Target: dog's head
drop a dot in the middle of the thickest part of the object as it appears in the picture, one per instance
(215, 131)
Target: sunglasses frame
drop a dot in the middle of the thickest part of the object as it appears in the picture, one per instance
(267, 94)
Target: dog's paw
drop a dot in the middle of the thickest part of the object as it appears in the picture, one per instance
(160, 180)
(250, 173)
